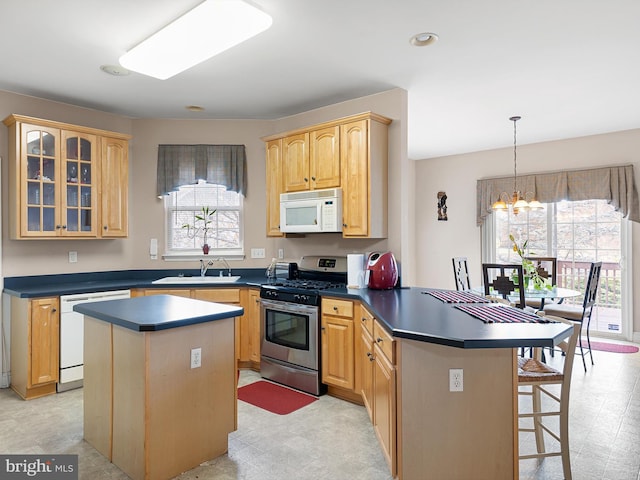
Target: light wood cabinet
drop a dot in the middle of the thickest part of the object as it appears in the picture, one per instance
(324, 158)
(378, 384)
(252, 311)
(35, 346)
(364, 151)
(114, 173)
(64, 179)
(351, 153)
(274, 187)
(338, 358)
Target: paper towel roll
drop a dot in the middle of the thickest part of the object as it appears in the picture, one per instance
(355, 270)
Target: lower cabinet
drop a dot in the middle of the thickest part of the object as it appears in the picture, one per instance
(378, 384)
(35, 346)
(337, 343)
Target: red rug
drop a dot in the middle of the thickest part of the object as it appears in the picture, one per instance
(610, 347)
(274, 398)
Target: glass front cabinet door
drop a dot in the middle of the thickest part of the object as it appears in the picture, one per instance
(58, 175)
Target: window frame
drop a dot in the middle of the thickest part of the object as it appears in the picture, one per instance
(171, 254)
(489, 237)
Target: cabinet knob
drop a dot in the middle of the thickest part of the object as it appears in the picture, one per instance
(306, 179)
(313, 178)
(364, 319)
(322, 328)
(105, 227)
(344, 225)
(64, 227)
(58, 227)
(379, 340)
(53, 310)
(335, 309)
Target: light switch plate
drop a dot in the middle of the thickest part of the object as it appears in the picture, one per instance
(73, 257)
(257, 253)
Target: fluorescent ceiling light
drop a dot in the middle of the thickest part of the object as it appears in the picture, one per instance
(210, 28)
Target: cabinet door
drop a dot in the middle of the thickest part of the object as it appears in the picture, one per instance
(295, 162)
(255, 326)
(366, 371)
(114, 179)
(40, 185)
(44, 340)
(325, 157)
(355, 179)
(337, 352)
(274, 187)
(78, 178)
(384, 405)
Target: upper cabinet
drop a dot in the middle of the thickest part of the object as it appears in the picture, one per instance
(66, 181)
(311, 160)
(350, 153)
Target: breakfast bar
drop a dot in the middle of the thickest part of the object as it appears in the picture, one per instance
(471, 433)
(160, 382)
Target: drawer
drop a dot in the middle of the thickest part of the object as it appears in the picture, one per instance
(367, 320)
(337, 308)
(384, 341)
(221, 295)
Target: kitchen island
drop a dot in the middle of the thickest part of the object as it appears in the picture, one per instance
(160, 382)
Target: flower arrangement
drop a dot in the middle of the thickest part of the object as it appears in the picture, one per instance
(528, 267)
(206, 218)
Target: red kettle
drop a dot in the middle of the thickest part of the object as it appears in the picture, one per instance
(382, 271)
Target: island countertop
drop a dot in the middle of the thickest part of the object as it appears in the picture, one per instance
(413, 314)
(157, 312)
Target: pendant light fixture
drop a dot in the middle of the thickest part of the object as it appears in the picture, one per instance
(516, 200)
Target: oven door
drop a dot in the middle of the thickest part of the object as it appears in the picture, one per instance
(290, 333)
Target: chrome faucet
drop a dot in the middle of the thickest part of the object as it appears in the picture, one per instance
(204, 266)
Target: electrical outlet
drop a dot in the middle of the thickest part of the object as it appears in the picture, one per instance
(196, 357)
(281, 253)
(456, 383)
(73, 257)
(257, 253)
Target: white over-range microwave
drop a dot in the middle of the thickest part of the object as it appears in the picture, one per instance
(314, 211)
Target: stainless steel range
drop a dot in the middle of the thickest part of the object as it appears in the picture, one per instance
(290, 316)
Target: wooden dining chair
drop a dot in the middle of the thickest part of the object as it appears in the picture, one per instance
(547, 269)
(582, 313)
(461, 273)
(534, 380)
(498, 277)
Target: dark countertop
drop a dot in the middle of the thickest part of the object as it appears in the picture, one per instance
(405, 312)
(157, 312)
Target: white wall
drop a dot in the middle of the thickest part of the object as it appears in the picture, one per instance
(438, 241)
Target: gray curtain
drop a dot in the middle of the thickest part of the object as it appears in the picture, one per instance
(616, 185)
(185, 164)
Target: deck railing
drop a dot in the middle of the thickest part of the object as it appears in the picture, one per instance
(574, 275)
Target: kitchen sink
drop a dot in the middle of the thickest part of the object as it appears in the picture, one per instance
(191, 280)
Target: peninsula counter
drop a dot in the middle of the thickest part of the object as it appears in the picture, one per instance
(148, 407)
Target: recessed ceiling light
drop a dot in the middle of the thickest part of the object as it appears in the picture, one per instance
(115, 70)
(210, 28)
(194, 108)
(423, 39)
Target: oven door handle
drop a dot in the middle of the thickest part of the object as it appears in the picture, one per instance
(288, 306)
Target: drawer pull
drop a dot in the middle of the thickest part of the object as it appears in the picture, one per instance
(379, 340)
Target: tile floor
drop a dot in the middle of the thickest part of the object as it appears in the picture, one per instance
(333, 439)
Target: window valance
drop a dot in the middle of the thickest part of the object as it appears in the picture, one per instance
(615, 184)
(185, 164)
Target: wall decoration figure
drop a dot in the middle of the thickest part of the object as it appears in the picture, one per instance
(442, 206)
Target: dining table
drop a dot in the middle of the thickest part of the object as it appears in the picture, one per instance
(542, 294)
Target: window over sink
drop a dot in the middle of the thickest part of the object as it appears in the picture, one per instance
(225, 233)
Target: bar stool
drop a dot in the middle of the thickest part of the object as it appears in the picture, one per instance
(534, 379)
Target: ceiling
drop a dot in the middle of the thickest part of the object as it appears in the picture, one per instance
(569, 68)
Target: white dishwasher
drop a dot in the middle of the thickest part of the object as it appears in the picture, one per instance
(72, 335)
